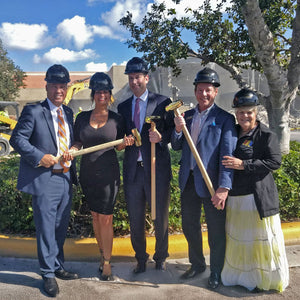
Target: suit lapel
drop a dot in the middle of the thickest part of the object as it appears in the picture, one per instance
(209, 121)
(49, 121)
(69, 116)
(151, 105)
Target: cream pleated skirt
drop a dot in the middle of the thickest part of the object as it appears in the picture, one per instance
(255, 252)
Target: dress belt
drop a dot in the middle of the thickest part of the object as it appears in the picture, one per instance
(60, 171)
(140, 163)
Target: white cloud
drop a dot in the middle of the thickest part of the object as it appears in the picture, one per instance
(112, 17)
(22, 36)
(96, 67)
(75, 31)
(59, 55)
(105, 32)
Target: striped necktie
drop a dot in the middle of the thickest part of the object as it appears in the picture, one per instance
(62, 137)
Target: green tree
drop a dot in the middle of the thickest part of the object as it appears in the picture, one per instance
(11, 77)
(262, 35)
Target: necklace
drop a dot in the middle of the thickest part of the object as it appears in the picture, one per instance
(98, 120)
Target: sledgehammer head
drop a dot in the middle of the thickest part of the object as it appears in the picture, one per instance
(151, 119)
(174, 105)
(137, 136)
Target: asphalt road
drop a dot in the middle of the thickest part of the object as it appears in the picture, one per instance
(295, 136)
(20, 280)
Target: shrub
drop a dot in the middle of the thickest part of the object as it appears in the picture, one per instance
(16, 213)
(287, 179)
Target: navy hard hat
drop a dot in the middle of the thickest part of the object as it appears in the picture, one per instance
(245, 97)
(207, 75)
(101, 82)
(57, 74)
(136, 65)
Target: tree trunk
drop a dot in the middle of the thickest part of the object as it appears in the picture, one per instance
(279, 123)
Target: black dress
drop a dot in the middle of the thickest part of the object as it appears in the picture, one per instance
(99, 171)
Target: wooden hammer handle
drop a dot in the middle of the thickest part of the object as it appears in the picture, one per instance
(196, 156)
(153, 180)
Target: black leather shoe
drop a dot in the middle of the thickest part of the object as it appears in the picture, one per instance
(65, 275)
(190, 272)
(161, 266)
(214, 280)
(140, 268)
(50, 286)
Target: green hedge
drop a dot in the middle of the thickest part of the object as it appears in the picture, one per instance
(17, 217)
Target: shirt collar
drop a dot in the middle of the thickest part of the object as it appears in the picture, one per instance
(204, 112)
(53, 107)
(143, 97)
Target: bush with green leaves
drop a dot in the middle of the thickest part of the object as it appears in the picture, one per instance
(287, 179)
(16, 213)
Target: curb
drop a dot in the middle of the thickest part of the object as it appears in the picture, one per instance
(86, 249)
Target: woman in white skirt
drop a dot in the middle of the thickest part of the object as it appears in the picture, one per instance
(255, 252)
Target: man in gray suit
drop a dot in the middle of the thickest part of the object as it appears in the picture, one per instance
(137, 168)
(213, 132)
(36, 138)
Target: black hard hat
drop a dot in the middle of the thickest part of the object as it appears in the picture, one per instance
(57, 74)
(245, 97)
(207, 75)
(101, 82)
(136, 65)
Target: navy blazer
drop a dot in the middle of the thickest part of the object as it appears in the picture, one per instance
(217, 138)
(33, 137)
(155, 107)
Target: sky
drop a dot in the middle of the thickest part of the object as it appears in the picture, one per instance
(82, 35)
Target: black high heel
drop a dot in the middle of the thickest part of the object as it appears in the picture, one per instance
(106, 277)
(101, 261)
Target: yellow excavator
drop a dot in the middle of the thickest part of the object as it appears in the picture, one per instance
(8, 120)
(75, 87)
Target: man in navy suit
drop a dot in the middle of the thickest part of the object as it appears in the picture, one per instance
(49, 182)
(137, 167)
(213, 133)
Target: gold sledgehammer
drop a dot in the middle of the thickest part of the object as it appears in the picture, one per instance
(152, 120)
(175, 106)
(76, 153)
(105, 145)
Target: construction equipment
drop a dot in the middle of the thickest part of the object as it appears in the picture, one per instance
(8, 121)
(75, 87)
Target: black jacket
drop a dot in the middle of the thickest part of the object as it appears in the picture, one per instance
(259, 162)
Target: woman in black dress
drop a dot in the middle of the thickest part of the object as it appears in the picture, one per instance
(99, 171)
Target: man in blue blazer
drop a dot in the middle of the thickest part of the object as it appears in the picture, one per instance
(137, 167)
(49, 182)
(213, 133)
